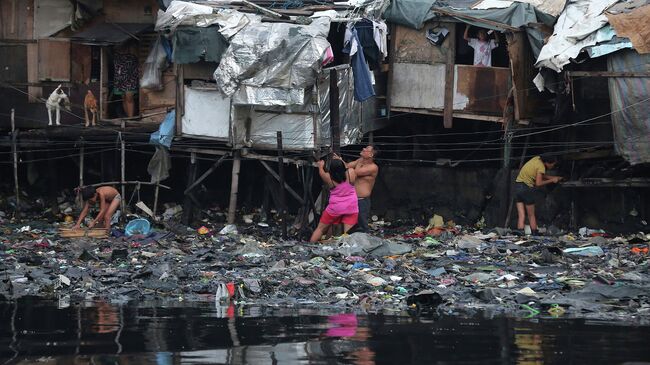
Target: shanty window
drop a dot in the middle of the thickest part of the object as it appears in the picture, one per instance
(472, 51)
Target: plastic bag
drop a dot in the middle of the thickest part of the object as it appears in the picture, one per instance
(153, 67)
(138, 226)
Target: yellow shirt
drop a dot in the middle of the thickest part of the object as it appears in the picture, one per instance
(529, 171)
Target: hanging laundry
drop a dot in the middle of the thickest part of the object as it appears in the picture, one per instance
(363, 89)
(365, 33)
(380, 33)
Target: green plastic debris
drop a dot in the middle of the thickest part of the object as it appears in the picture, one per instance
(401, 290)
(532, 312)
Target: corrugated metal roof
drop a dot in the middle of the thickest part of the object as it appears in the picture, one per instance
(105, 34)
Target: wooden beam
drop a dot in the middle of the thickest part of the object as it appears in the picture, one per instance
(639, 182)
(128, 183)
(286, 186)
(448, 111)
(487, 118)
(474, 19)
(206, 174)
(607, 74)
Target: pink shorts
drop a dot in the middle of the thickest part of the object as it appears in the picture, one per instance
(349, 219)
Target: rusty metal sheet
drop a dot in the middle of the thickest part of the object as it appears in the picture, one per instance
(633, 25)
(481, 89)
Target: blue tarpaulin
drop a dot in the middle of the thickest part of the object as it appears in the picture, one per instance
(165, 133)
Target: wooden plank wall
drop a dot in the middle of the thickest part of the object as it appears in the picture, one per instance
(17, 19)
(54, 59)
(417, 77)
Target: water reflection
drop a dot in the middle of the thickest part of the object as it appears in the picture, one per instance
(198, 333)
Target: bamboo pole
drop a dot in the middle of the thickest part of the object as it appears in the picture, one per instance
(81, 170)
(155, 198)
(123, 172)
(14, 149)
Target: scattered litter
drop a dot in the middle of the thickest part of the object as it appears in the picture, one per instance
(138, 226)
(230, 228)
(585, 251)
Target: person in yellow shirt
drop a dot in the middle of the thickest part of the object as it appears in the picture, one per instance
(531, 177)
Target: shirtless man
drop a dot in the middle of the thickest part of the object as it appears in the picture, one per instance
(109, 199)
(366, 173)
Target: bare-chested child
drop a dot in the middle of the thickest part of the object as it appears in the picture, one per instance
(109, 199)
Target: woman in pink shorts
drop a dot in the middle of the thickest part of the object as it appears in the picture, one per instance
(343, 206)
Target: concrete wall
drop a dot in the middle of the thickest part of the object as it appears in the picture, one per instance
(418, 192)
(413, 193)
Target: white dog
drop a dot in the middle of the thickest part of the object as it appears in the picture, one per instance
(54, 103)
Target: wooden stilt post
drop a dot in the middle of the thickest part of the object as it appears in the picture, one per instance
(335, 133)
(234, 188)
(123, 172)
(334, 112)
(81, 169)
(448, 107)
(283, 196)
(81, 163)
(14, 148)
(188, 206)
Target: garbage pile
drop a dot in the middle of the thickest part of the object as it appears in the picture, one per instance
(441, 268)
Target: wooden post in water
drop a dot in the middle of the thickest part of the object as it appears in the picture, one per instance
(123, 172)
(14, 150)
(283, 195)
(234, 188)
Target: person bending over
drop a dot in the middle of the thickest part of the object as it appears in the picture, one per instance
(342, 206)
(109, 199)
(531, 177)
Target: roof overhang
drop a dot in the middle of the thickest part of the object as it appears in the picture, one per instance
(110, 34)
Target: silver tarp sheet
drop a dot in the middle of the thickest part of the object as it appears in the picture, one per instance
(630, 106)
(184, 13)
(349, 109)
(303, 127)
(273, 64)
